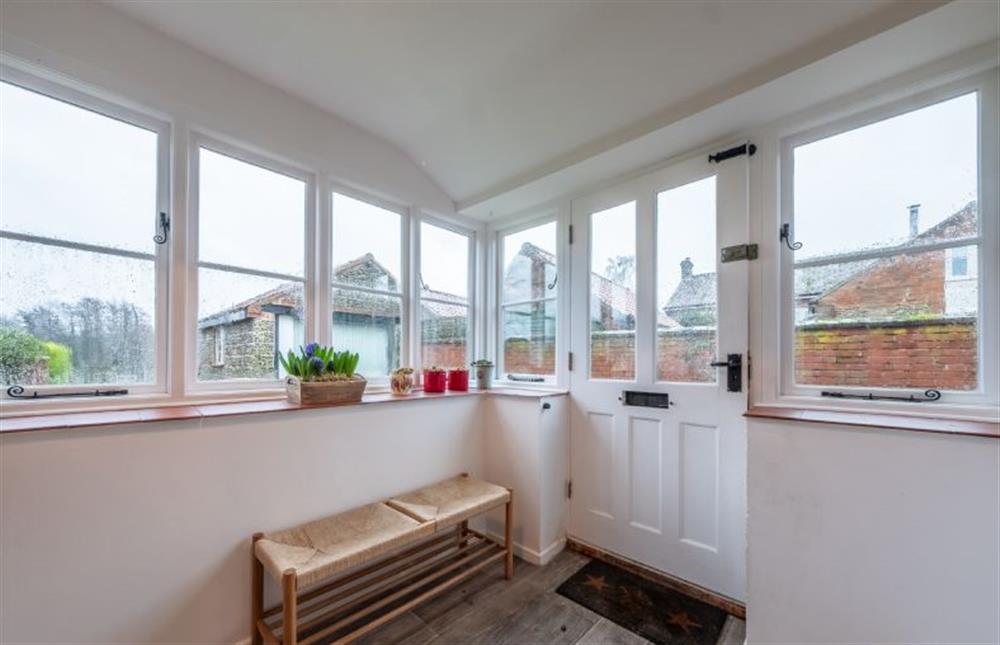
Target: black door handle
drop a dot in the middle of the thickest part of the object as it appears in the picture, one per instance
(734, 371)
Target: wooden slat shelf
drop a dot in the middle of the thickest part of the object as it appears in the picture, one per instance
(360, 601)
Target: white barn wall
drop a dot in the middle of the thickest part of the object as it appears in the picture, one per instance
(871, 536)
(141, 533)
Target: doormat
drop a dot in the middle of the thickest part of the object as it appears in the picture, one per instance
(655, 612)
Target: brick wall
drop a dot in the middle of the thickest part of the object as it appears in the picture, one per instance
(249, 350)
(682, 355)
(444, 354)
(905, 283)
(522, 357)
(927, 353)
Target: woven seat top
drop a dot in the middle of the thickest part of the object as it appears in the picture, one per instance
(322, 548)
(451, 501)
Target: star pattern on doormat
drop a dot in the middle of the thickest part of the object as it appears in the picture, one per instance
(596, 582)
(682, 620)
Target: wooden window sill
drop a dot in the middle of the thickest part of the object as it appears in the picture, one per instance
(68, 420)
(879, 420)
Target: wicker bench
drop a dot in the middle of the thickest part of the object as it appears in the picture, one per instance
(344, 575)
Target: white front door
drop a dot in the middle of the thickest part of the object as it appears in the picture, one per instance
(652, 308)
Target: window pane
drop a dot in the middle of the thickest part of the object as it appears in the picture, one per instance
(443, 334)
(250, 217)
(612, 293)
(899, 181)
(902, 321)
(529, 264)
(687, 309)
(444, 263)
(245, 320)
(529, 338)
(73, 174)
(367, 245)
(369, 324)
(69, 316)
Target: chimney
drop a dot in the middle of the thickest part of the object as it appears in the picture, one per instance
(687, 268)
(914, 220)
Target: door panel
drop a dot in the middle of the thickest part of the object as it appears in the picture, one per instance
(651, 308)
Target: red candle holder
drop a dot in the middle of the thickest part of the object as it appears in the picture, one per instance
(435, 381)
(458, 380)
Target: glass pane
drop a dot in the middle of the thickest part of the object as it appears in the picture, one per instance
(903, 321)
(73, 174)
(687, 310)
(367, 245)
(612, 293)
(529, 264)
(911, 179)
(369, 324)
(249, 216)
(243, 321)
(70, 316)
(444, 263)
(529, 338)
(444, 334)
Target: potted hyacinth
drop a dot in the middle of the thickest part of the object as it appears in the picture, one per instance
(320, 375)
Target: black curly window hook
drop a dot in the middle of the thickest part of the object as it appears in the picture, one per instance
(163, 224)
(786, 237)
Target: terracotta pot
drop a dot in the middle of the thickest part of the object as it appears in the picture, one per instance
(458, 380)
(435, 382)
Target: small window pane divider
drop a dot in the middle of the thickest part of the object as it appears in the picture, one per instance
(255, 272)
(352, 287)
(517, 303)
(76, 246)
(874, 254)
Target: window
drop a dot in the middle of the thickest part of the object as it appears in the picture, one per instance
(81, 186)
(251, 265)
(885, 288)
(687, 311)
(445, 323)
(367, 283)
(612, 293)
(528, 292)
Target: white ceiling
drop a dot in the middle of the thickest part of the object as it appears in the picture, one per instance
(488, 95)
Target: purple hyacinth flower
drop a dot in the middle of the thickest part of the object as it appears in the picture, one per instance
(317, 363)
(311, 348)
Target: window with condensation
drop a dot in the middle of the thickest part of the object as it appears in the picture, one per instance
(528, 303)
(251, 223)
(445, 317)
(368, 283)
(885, 287)
(612, 292)
(687, 309)
(83, 299)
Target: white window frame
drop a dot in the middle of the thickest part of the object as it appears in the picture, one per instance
(471, 291)
(197, 141)
(500, 236)
(160, 257)
(987, 394)
(326, 283)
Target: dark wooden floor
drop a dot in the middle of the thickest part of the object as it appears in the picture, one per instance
(489, 609)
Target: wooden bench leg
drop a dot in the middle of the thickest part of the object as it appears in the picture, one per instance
(256, 592)
(507, 541)
(289, 598)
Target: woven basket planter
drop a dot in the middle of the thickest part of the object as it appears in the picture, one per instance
(325, 392)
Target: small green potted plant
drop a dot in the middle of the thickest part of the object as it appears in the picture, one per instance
(319, 375)
(484, 373)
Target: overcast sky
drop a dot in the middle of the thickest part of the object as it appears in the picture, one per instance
(72, 174)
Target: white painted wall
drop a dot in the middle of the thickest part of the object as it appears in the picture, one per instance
(872, 536)
(527, 449)
(141, 533)
(98, 46)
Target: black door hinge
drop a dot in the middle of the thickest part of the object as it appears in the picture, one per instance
(570, 233)
(570, 361)
(569, 489)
